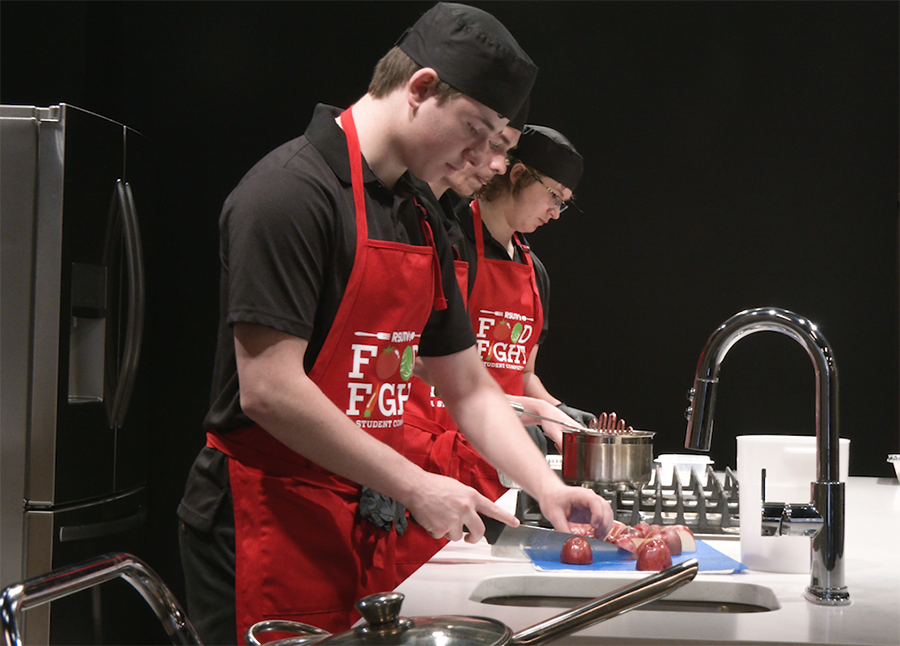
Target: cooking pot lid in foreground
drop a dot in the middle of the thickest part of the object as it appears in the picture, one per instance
(385, 627)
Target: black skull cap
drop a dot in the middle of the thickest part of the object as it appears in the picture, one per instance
(518, 121)
(473, 53)
(548, 152)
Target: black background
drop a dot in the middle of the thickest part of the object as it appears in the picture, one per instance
(737, 155)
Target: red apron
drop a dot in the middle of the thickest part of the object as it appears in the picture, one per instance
(424, 410)
(302, 552)
(505, 308)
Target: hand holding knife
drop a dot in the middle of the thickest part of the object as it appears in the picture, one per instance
(542, 544)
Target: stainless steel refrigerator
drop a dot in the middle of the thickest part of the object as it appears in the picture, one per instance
(73, 410)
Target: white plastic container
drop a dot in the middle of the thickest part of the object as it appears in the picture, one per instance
(895, 459)
(790, 464)
(682, 464)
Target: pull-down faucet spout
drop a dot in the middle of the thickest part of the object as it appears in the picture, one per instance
(827, 567)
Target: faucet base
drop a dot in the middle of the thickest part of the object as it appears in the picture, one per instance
(828, 596)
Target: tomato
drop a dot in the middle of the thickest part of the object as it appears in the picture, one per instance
(616, 529)
(654, 555)
(388, 362)
(626, 543)
(672, 539)
(501, 331)
(576, 551)
(581, 529)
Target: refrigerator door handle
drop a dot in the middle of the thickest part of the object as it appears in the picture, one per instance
(96, 530)
(123, 204)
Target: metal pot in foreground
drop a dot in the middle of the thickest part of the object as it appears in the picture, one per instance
(623, 458)
(384, 626)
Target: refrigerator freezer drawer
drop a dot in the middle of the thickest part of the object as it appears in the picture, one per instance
(112, 613)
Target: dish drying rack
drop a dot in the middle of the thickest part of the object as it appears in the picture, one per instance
(708, 506)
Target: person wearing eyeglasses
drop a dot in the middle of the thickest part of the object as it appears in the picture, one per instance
(445, 195)
(507, 288)
(508, 285)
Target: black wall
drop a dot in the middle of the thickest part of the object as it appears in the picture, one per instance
(737, 155)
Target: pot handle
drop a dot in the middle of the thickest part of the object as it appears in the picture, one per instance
(615, 603)
(306, 634)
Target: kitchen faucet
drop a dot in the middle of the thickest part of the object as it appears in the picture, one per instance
(823, 518)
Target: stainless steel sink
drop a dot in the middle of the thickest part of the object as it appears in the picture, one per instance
(560, 591)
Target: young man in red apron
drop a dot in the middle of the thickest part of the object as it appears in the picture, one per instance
(333, 282)
(425, 411)
(507, 288)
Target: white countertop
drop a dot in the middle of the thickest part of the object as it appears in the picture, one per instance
(872, 572)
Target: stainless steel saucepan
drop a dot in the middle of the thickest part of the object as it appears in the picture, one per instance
(597, 456)
(622, 458)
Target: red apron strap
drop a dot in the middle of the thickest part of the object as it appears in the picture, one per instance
(356, 177)
(254, 447)
(479, 234)
(440, 301)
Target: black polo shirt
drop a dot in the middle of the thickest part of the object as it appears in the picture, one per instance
(287, 244)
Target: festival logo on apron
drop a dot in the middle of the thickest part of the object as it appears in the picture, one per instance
(378, 382)
(502, 338)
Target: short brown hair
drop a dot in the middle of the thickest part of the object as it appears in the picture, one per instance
(394, 69)
(501, 185)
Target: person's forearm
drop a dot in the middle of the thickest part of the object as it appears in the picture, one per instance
(482, 411)
(532, 384)
(293, 409)
(278, 395)
(534, 388)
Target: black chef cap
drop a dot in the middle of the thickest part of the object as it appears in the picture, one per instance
(473, 53)
(551, 154)
(518, 121)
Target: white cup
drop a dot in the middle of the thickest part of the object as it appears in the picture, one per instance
(682, 464)
(790, 464)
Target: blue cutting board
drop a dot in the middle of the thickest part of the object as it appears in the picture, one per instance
(708, 558)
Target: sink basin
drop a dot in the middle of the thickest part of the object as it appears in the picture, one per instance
(559, 591)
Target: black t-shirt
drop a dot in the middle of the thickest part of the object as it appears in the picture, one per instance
(496, 251)
(288, 239)
(443, 209)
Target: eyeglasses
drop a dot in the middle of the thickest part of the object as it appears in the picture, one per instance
(556, 202)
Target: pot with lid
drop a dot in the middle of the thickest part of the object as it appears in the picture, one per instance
(384, 626)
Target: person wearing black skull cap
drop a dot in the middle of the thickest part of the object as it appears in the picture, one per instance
(508, 289)
(332, 282)
(545, 169)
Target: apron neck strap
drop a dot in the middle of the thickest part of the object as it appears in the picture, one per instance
(356, 178)
(359, 202)
(479, 236)
(440, 301)
(476, 223)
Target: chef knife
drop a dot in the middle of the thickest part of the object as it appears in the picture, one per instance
(542, 544)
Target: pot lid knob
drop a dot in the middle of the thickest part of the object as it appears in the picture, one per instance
(381, 609)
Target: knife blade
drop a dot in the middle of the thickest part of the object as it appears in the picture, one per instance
(542, 544)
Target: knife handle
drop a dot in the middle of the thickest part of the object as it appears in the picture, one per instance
(492, 528)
